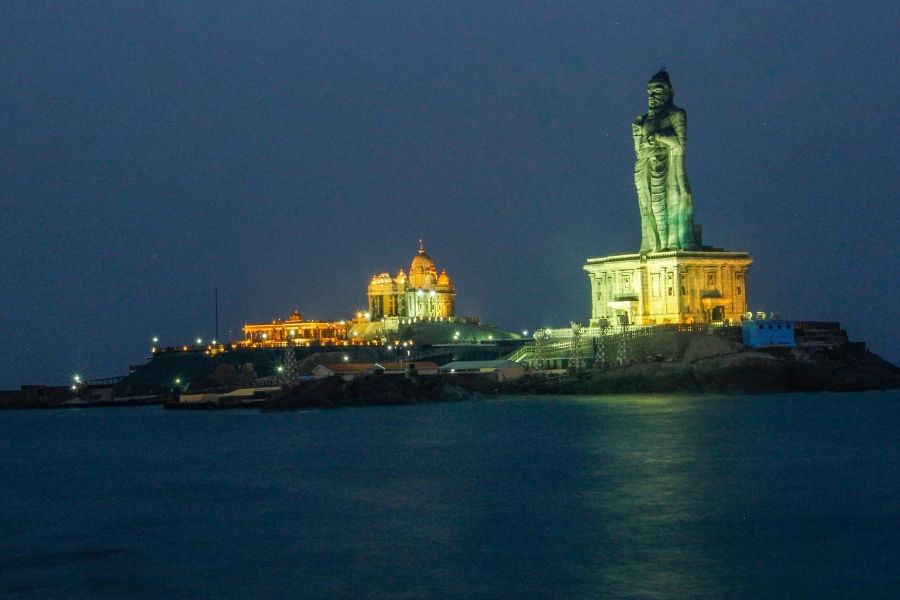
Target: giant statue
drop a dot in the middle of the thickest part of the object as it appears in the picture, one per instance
(664, 194)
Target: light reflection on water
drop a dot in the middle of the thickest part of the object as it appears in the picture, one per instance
(654, 497)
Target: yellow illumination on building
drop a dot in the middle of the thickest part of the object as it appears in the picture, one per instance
(423, 293)
(296, 330)
(669, 287)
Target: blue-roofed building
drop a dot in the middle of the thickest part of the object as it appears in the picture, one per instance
(758, 333)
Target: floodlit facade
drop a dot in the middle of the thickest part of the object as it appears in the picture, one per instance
(297, 331)
(678, 286)
(422, 294)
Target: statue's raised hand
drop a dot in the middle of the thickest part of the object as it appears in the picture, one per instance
(637, 125)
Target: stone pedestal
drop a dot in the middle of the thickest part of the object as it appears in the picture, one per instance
(680, 286)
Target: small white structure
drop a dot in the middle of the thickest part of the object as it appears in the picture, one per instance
(503, 370)
(348, 371)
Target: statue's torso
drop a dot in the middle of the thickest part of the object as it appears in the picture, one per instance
(666, 122)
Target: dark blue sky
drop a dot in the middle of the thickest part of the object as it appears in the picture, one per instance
(286, 152)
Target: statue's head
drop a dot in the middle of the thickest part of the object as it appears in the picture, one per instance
(659, 91)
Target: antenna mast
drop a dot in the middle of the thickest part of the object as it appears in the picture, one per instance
(216, 294)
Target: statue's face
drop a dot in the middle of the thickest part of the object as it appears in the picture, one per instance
(657, 95)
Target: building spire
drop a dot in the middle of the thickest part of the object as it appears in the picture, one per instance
(421, 246)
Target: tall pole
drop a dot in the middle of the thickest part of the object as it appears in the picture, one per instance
(216, 294)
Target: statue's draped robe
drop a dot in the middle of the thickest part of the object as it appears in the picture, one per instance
(664, 194)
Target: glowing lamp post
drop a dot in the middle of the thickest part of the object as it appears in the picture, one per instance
(77, 385)
(176, 387)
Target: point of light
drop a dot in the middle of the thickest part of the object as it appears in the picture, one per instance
(199, 340)
(77, 378)
(346, 358)
(155, 340)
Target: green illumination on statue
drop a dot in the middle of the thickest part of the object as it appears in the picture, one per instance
(664, 194)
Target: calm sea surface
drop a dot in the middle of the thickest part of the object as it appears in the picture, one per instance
(588, 497)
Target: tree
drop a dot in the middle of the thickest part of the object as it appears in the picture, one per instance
(247, 375)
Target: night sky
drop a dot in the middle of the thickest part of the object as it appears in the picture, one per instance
(286, 152)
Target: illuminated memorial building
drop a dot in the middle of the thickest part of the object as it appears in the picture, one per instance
(297, 331)
(423, 294)
(674, 278)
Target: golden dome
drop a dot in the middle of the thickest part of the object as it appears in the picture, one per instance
(421, 263)
(444, 279)
(400, 278)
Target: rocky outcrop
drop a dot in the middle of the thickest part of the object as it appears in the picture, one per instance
(716, 367)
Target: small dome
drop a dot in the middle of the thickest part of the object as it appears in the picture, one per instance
(444, 279)
(421, 263)
(401, 277)
(382, 278)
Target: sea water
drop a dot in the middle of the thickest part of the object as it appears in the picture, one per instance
(523, 497)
